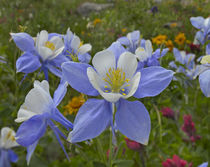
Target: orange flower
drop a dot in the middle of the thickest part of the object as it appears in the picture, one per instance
(124, 30)
(180, 39)
(160, 39)
(173, 25)
(74, 104)
(96, 21)
(170, 45)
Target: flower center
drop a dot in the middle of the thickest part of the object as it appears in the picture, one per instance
(115, 78)
(50, 45)
(205, 59)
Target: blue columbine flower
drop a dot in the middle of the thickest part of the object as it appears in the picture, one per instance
(7, 141)
(204, 26)
(147, 57)
(204, 71)
(115, 77)
(187, 60)
(132, 41)
(37, 112)
(43, 51)
(75, 49)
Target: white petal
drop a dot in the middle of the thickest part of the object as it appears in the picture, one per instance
(42, 37)
(37, 101)
(84, 49)
(56, 53)
(97, 83)
(75, 42)
(134, 85)
(128, 63)
(7, 138)
(141, 54)
(148, 47)
(69, 34)
(45, 52)
(103, 61)
(57, 41)
(44, 84)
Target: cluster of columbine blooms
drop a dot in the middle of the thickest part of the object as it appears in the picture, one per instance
(129, 67)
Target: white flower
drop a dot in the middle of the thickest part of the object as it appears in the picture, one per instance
(48, 48)
(143, 54)
(7, 138)
(114, 80)
(76, 45)
(37, 101)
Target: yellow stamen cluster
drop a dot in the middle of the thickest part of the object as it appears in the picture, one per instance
(10, 136)
(116, 79)
(50, 45)
(205, 59)
(74, 104)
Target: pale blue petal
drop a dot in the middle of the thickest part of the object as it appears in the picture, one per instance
(205, 164)
(164, 51)
(92, 119)
(204, 80)
(117, 49)
(208, 49)
(12, 156)
(30, 151)
(4, 159)
(178, 56)
(31, 130)
(76, 75)
(84, 58)
(135, 35)
(124, 41)
(153, 81)
(200, 37)
(133, 120)
(27, 63)
(197, 22)
(23, 41)
(60, 92)
(54, 70)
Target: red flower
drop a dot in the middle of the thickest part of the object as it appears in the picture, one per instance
(133, 145)
(194, 48)
(189, 128)
(168, 113)
(176, 162)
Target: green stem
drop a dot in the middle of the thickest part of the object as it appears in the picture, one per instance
(159, 121)
(100, 149)
(110, 139)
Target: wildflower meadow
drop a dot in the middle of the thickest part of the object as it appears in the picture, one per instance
(104, 83)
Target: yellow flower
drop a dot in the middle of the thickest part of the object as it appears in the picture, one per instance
(170, 45)
(83, 32)
(173, 25)
(74, 104)
(124, 30)
(160, 39)
(180, 39)
(96, 21)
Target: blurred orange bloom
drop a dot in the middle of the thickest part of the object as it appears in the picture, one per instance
(160, 39)
(180, 39)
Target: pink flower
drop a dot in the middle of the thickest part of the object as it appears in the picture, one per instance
(176, 162)
(133, 145)
(168, 113)
(189, 128)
